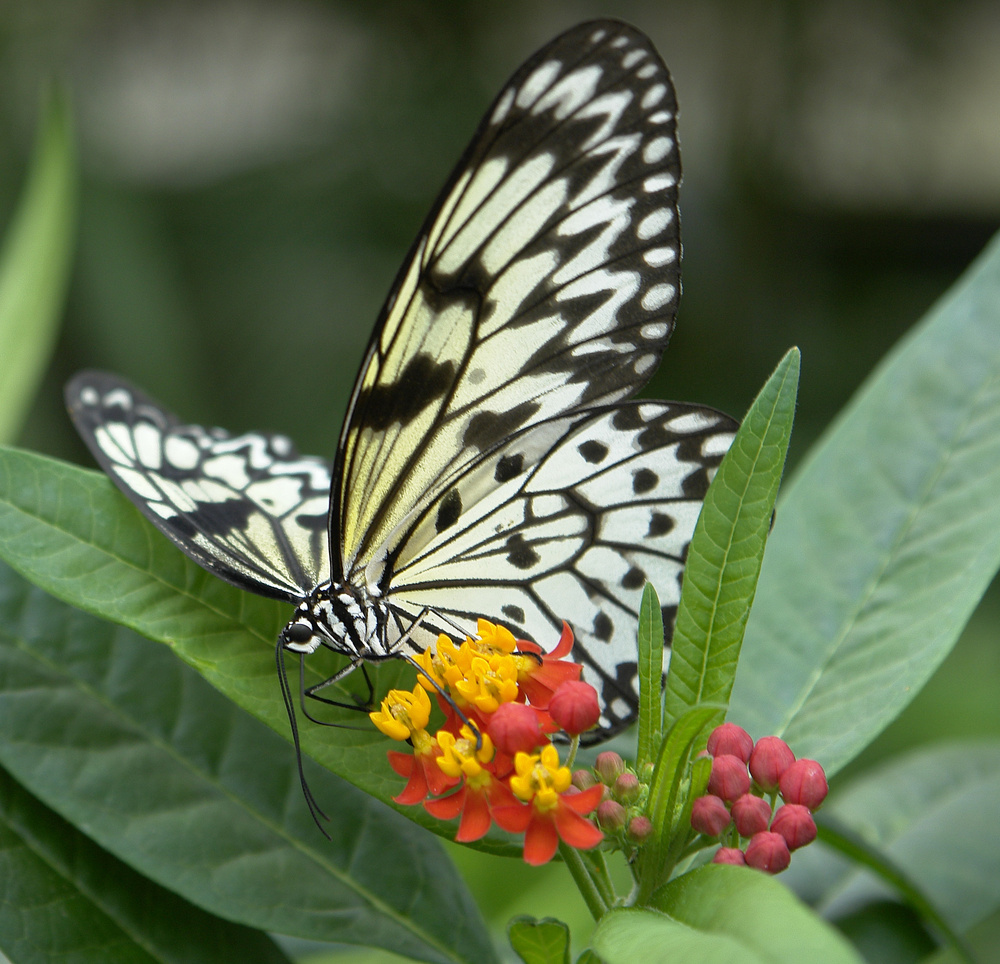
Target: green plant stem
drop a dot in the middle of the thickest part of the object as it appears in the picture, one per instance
(598, 867)
(586, 881)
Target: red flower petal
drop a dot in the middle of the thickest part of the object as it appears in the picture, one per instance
(475, 817)
(585, 801)
(514, 818)
(540, 841)
(577, 831)
(402, 763)
(446, 808)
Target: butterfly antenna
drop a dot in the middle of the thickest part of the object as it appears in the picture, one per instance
(315, 811)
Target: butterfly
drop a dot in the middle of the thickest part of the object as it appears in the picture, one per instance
(490, 462)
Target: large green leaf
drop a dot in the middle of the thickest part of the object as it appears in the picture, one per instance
(66, 899)
(721, 915)
(133, 747)
(724, 559)
(35, 265)
(930, 814)
(886, 538)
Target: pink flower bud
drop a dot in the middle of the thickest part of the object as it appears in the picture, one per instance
(769, 760)
(751, 814)
(639, 829)
(627, 788)
(514, 728)
(584, 779)
(795, 824)
(611, 816)
(732, 739)
(709, 815)
(804, 782)
(729, 778)
(768, 851)
(609, 766)
(729, 855)
(574, 706)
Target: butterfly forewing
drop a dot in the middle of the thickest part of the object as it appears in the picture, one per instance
(247, 507)
(528, 292)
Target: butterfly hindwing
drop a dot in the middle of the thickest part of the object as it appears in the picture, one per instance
(527, 293)
(568, 520)
(247, 507)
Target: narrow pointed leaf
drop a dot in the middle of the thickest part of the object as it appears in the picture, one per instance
(650, 676)
(35, 263)
(885, 539)
(724, 558)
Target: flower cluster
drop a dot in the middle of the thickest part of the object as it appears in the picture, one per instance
(492, 760)
(735, 808)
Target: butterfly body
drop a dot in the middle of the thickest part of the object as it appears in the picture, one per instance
(491, 462)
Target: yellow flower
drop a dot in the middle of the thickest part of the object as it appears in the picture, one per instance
(402, 714)
(489, 682)
(446, 665)
(493, 638)
(539, 779)
(459, 755)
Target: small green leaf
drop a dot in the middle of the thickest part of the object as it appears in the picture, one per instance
(723, 563)
(35, 264)
(656, 859)
(720, 915)
(544, 941)
(66, 899)
(885, 539)
(650, 676)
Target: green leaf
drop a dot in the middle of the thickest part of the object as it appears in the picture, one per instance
(724, 558)
(650, 677)
(885, 539)
(35, 264)
(66, 899)
(720, 915)
(929, 813)
(544, 941)
(659, 853)
(123, 740)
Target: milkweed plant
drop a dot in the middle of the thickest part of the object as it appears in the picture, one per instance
(152, 810)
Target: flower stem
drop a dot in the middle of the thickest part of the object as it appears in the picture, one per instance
(584, 878)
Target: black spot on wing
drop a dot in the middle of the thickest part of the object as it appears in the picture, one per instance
(508, 467)
(635, 578)
(520, 555)
(659, 524)
(485, 429)
(644, 480)
(422, 382)
(213, 518)
(603, 627)
(593, 451)
(513, 613)
(314, 522)
(448, 511)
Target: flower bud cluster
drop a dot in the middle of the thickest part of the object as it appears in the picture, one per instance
(621, 812)
(743, 788)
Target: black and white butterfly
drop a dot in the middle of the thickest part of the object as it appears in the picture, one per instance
(489, 464)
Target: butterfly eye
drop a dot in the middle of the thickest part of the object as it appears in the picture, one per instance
(297, 634)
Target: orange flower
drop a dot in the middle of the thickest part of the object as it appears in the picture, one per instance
(555, 808)
(540, 674)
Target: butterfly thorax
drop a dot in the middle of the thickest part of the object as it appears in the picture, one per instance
(344, 618)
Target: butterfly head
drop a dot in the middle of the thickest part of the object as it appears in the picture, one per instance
(338, 618)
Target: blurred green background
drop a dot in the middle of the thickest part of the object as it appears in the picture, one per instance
(253, 173)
